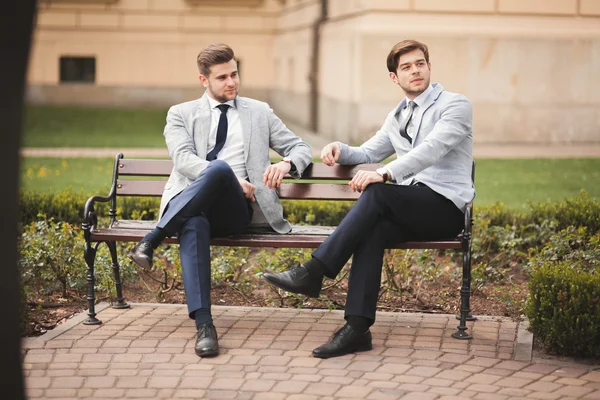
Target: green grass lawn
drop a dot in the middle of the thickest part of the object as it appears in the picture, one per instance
(61, 126)
(513, 182)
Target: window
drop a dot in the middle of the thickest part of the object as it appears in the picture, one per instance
(77, 69)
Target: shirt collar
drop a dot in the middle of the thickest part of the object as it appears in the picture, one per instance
(420, 99)
(213, 103)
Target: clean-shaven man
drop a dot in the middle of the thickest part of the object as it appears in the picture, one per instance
(221, 178)
(430, 131)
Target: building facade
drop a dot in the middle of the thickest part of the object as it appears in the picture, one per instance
(531, 68)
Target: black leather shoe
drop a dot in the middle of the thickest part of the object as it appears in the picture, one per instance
(141, 254)
(296, 280)
(207, 344)
(345, 341)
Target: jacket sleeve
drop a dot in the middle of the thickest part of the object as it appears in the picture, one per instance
(288, 144)
(181, 146)
(376, 149)
(454, 125)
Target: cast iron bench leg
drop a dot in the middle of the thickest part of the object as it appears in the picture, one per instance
(89, 253)
(112, 247)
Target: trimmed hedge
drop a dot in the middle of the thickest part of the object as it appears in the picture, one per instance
(564, 304)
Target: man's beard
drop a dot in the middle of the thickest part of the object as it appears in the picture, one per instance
(220, 99)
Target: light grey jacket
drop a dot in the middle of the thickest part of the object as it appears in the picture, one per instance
(186, 134)
(441, 154)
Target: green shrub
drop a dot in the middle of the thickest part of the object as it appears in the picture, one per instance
(68, 206)
(564, 303)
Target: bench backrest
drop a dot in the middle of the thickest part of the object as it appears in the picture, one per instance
(316, 182)
(312, 186)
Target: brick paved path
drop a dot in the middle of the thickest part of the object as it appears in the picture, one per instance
(147, 352)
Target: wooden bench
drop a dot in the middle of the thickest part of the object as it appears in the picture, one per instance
(302, 236)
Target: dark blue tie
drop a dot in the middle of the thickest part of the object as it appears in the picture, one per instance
(221, 133)
(404, 126)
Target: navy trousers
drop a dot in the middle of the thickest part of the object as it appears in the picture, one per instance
(212, 206)
(382, 215)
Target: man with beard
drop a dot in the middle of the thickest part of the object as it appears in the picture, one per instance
(221, 178)
(430, 132)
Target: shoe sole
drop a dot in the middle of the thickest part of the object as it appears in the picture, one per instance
(213, 353)
(357, 350)
(275, 283)
(142, 262)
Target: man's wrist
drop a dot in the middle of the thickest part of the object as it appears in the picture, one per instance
(290, 162)
(384, 173)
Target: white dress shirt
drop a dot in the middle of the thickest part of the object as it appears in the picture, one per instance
(411, 128)
(233, 150)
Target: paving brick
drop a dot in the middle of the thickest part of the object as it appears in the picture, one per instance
(97, 382)
(547, 387)
(477, 387)
(570, 381)
(593, 376)
(445, 391)
(112, 393)
(513, 382)
(71, 382)
(512, 392)
(426, 372)
(163, 382)
(60, 393)
(483, 361)
(304, 362)
(593, 395)
(544, 396)
(322, 389)
(453, 375)
(574, 391)
(290, 387)
(438, 382)
(38, 383)
(141, 393)
(420, 396)
(132, 382)
(354, 392)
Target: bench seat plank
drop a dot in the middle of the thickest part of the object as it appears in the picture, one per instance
(302, 236)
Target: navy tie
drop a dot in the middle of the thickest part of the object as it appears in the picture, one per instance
(221, 133)
(404, 126)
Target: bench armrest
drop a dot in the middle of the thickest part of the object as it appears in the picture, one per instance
(90, 219)
(468, 228)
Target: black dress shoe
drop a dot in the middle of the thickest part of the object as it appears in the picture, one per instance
(296, 280)
(207, 344)
(345, 341)
(141, 254)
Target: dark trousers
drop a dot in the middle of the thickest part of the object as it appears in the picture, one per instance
(384, 214)
(214, 205)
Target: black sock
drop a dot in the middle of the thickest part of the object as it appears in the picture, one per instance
(202, 316)
(155, 237)
(359, 324)
(315, 267)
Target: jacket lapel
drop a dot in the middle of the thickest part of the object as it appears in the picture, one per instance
(205, 118)
(246, 120)
(437, 90)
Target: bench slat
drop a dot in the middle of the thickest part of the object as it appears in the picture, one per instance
(302, 236)
(309, 191)
(133, 167)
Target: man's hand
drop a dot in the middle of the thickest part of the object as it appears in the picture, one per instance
(330, 153)
(362, 179)
(275, 173)
(248, 189)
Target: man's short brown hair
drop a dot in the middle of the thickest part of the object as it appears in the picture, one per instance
(213, 54)
(405, 46)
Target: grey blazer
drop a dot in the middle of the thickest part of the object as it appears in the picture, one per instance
(441, 154)
(186, 133)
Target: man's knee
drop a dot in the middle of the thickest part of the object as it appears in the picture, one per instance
(218, 170)
(373, 191)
